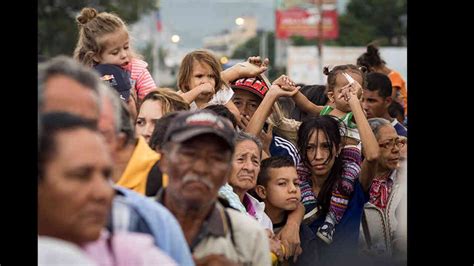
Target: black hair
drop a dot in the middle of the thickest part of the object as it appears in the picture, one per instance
(371, 58)
(161, 125)
(395, 109)
(316, 94)
(126, 126)
(328, 126)
(272, 162)
(51, 124)
(223, 111)
(379, 82)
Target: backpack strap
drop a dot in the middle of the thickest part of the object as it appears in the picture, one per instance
(230, 228)
(154, 181)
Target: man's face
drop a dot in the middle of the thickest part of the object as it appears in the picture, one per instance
(107, 126)
(374, 104)
(74, 196)
(197, 169)
(67, 95)
(246, 102)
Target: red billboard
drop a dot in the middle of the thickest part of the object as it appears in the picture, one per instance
(305, 22)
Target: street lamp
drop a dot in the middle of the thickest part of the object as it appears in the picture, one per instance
(239, 21)
(175, 38)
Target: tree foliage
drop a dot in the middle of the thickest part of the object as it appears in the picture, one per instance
(57, 27)
(369, 20)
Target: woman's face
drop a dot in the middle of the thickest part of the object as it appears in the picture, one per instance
(245, 166)
(75, 195)
(318, 151)
(150, 111)
(390, 144)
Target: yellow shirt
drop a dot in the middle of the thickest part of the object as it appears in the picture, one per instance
(135, 175)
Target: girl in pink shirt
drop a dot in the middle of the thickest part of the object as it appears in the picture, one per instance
(104, 39)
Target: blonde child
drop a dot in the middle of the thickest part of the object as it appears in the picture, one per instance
(104, 39)
(201, 81)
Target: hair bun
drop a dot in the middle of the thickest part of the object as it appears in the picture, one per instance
(87, 14)
(327, 70)
(372, 49)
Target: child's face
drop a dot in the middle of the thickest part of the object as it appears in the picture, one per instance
(283, 190)
(341, 81)
(202, 73)
(116, 49)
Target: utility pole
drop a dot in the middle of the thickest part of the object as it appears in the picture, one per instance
(320, 40)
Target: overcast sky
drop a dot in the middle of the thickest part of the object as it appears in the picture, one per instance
(193, 20)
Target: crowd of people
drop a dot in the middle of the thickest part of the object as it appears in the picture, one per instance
(227, 168)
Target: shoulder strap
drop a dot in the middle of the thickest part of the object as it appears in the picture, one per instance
(154, 180)
(230, 228)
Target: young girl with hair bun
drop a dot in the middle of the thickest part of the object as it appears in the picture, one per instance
(104, 39)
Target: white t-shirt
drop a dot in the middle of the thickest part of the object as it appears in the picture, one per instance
(223, 96)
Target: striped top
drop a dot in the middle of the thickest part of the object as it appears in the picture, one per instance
(141, 77)
(351, 158)
(283, 147)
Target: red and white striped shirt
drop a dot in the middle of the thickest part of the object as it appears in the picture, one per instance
(139, 73)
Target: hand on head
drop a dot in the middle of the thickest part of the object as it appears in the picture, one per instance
(350, 90)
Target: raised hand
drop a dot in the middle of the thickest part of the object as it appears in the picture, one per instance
(284, 86)
(256, 60)
(252, 67)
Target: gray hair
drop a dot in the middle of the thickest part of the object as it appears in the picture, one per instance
(242, 136)
(377, 123)
(105, 91)
(66, 66)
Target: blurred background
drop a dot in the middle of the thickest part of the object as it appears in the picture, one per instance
(298, 36)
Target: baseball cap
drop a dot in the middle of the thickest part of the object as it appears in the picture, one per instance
(189, 124)
(254, 85)
(117, 78)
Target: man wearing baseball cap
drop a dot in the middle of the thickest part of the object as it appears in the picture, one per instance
(248, 94)
(196, 155)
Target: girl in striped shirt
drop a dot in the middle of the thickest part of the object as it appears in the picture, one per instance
(104, 39)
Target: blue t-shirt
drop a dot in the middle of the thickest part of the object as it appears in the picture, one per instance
(283, 147)
(346, 234)
(401, 130)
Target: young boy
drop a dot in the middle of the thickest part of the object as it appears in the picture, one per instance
(278, 186)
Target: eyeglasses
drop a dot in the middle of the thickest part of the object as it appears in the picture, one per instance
(390, 144)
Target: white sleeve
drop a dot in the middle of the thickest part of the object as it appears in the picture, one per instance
(223, 96)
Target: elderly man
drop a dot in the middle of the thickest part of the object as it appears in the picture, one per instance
(197, 155)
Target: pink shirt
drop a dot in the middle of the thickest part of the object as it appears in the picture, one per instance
(139, 73)
(126, 248)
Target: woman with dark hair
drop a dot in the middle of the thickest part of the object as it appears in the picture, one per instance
(326, 161)
(374, 63)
